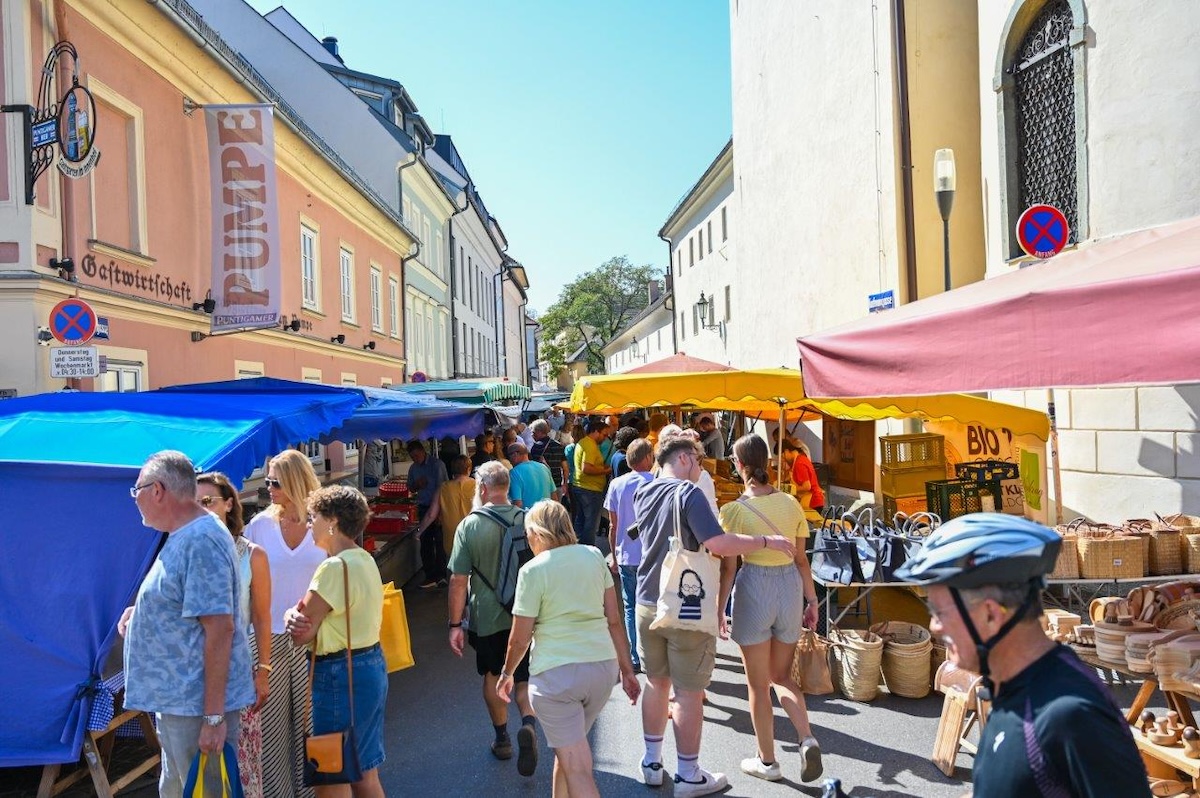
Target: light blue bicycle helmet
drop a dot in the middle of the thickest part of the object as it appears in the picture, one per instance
(986, 549)
(983, 549)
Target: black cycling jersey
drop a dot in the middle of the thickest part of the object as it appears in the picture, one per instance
(1054, 730)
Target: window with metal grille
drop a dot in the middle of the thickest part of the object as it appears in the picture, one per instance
(1043, 71)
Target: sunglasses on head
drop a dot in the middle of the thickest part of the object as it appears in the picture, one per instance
(274, 483)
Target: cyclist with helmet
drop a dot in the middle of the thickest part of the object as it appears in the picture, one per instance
(1054, 729)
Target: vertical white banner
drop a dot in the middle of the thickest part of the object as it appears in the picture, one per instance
(246, 267)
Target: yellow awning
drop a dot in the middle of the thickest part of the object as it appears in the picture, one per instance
(765, 391)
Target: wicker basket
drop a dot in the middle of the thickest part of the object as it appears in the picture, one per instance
(1189, 546)
(936, 657)
(1166, 553)
(1110, 557)
(1067, 564)
(857, 661)
(906, 654)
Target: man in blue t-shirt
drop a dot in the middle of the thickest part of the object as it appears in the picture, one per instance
(529, 481)
(187, 658)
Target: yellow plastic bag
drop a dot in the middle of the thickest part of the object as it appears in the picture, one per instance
(393, 634)
(231, 782)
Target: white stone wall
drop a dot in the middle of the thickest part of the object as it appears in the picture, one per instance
(1125, 452)
(653, 336)
(814, 170)
(709, 274)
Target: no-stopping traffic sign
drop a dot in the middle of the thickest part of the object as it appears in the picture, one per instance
(72, 321)
(1042, 231)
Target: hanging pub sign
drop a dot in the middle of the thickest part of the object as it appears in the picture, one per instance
(68, 124)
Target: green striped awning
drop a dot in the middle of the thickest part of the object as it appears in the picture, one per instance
(470, 391)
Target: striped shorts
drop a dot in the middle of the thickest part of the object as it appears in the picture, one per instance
(768, 603)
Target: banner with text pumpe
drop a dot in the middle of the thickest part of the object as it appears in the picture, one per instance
(246, 268)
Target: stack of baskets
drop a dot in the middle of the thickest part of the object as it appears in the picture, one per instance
(906, 652)
(1105, 552)
(1189, 539)
(857, 659)
(1161, 546)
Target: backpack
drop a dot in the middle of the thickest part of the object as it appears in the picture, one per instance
(514, 553)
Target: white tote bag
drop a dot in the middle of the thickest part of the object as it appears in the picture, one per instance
(689, 585)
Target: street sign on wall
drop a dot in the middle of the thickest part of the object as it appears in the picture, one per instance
(72, 322)
(74, 361)
(1042, 231)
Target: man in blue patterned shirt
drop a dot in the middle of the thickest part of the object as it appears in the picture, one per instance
(186, 654)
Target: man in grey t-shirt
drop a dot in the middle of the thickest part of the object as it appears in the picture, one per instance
(186, 654)
(674, 658)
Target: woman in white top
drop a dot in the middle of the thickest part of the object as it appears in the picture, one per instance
(216, 494)
(282, 530)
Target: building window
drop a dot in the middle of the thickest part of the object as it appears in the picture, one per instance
(724, 224)
(309, 282)
(407, 213)
(701, 247)
(728, 312)
(658, 338)
(708, 224)
(471, 271)
(427, 251)
(691, 251)
(437, 256)
(462, 275)
(696, 320)
(1042, 161)
(376, 299)
(347, 260)
(122, 376)
(119, 193)
(679, 261)
(394, 305)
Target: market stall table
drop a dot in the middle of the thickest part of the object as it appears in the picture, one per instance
(862, 595)
(1080, 592)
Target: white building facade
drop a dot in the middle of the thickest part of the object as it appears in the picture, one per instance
(645, 339)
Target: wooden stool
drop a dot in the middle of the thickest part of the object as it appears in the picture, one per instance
(961, 713)
(97, 749)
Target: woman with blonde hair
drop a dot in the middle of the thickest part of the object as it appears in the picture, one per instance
(282, 531)
(773, 597)
(216, 494)
(566, 604)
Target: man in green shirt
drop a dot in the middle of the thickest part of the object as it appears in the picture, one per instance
(476, 553)
(591, 479)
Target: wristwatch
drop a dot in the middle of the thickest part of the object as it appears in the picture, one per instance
(214, 720)
(455, 625)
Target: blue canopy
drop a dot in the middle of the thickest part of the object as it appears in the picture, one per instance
(74, 544)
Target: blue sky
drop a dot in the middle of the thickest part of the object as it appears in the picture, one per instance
(582, 123)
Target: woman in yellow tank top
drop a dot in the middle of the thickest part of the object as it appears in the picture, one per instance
(773, 597)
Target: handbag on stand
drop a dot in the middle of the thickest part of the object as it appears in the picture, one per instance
(231, 781)
(332, 758)
(688, 586)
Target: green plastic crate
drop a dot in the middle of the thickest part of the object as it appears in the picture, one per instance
(950, 498)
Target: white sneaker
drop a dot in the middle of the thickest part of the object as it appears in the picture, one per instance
(810, 758)
(754, 766)
(652, 774)
(707, 784)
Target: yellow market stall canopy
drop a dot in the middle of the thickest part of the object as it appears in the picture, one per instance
(767, 391)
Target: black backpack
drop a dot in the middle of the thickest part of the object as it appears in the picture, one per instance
(514, 553)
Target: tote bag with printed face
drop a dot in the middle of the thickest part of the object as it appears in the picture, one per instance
(688, 586)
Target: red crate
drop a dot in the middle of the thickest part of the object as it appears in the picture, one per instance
(395, 487)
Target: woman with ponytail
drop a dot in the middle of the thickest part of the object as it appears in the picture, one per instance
(773, 596)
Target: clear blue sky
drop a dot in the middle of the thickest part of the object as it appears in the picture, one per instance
(582, 123)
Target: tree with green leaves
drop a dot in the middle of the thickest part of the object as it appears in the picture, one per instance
(592, 309)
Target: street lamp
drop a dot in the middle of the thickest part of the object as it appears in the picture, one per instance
(944, 181)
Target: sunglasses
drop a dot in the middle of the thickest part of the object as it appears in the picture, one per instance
(209, 501)
(274, 483)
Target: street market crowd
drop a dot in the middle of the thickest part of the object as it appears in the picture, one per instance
(262, 639)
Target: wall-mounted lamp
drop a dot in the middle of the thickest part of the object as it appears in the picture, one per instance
(293, 325)
(338, 339)
(703, 306)
(197, 336)
(65, 266)
(369, 345)
(208, 305)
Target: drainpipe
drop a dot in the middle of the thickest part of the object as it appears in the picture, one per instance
(900, 53)
(671, 279)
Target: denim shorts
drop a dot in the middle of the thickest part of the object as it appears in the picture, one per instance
(331, 705)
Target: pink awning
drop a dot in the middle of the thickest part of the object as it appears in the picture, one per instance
(1125, 311)
(679, 363)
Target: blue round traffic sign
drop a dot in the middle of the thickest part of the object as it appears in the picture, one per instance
(72, 322)
(1042, 231)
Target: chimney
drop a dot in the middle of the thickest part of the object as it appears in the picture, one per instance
(330, 43)
(655, 291)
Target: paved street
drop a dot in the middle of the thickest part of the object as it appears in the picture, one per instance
(438, 734)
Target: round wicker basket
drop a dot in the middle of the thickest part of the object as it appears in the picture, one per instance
(857, 658)
(906, 654)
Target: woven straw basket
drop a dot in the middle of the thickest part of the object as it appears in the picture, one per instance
(906, 653)
(857, 659)
(1110, 556)
(1160, 545)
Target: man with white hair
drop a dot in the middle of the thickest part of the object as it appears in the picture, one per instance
(187, 658)
(474, 563)
(547, 450)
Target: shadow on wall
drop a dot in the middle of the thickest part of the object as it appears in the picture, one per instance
(1154, 456)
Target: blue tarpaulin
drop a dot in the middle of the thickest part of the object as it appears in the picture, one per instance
(74, 546)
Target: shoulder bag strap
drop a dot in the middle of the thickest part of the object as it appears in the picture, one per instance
(746, 503)
(312, 659)
(678, 531)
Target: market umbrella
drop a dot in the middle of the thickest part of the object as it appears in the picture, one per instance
(679, 363)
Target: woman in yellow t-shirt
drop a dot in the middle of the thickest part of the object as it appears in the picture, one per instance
(773, 596)
(337, 516)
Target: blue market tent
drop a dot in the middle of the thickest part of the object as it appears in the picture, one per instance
(74, 544)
